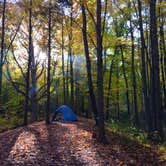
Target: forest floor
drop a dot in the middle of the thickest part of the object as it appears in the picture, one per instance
(70, 144)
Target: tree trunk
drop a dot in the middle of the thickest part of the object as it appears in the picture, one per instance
(88, 64)
(105, 61)
(33, 94)
(82, 105)
(29, 65)
(49, 66)
(162, 56)
(63, 70)
(143, 70)
(126, 82)
(147, 56)
(67, 80)
(155, 85)
(100, 96)
(77, 95)
(71, 81)
(71, 60)
(109, 91)
(2, 46)
(134, 77)
(117, 94)
(109, 88)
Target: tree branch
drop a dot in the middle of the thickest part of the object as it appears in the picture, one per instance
(19, 66)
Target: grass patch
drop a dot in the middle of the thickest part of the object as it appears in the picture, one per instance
(131, 135)
(11, 123)
(128, 130)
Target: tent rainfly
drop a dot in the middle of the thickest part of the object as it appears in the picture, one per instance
(67, 113)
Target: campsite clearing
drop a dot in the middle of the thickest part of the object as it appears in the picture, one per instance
(69, 144)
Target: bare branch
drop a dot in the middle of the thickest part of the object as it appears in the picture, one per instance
(14, 84)
(91, 15)
(13, 38)
(105, 13)
(41, 72)
(19, 66)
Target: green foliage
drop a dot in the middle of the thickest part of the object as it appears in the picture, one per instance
(15, 122)
(10, 123)
(3, 124)
(128, 130)
(131, 136)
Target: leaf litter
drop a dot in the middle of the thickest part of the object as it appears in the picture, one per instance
(70, 144)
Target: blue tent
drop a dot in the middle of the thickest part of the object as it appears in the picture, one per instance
(67, 113)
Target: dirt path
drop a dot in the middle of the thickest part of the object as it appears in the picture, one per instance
(68, 144)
